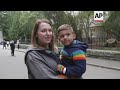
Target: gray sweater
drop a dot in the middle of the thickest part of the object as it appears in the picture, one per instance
(41, 64)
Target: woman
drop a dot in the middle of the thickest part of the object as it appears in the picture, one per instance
(41, 60)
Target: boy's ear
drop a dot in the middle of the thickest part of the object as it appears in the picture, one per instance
(74, 35)
(58, 38)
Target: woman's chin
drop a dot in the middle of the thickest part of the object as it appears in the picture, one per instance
(47, 42)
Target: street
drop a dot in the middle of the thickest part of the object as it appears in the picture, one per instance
(13, 67)
(93, 72)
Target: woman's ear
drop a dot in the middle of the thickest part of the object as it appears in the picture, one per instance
(36, 36)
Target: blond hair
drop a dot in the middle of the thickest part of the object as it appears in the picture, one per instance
(65, 27)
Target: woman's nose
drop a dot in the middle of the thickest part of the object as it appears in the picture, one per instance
(48, 32)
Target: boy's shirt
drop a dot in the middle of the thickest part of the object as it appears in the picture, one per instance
(74, 59)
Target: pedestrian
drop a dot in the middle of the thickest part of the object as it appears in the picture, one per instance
(73, 55)
(41, 60)
(4, 44)
(12, 46)
(18, 45)
(7, 43)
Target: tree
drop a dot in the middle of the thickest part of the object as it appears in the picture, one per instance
(57, 18)
(85, 19)
(22, 24)
(112, 24)
(5, 21)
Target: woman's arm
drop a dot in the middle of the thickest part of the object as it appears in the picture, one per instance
(38, 68)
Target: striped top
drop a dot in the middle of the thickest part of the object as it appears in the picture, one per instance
(74, 59)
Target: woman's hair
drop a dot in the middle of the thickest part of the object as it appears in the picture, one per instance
(34, 39)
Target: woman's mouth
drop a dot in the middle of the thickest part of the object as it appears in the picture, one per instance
(48, 38)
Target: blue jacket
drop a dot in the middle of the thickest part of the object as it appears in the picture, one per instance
(74, 59)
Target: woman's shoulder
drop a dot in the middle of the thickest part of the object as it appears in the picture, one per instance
(32, 52)
(32, 49)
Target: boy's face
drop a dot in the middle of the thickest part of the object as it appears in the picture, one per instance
(66, 37)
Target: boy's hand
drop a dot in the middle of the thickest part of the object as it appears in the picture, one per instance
(61, 68)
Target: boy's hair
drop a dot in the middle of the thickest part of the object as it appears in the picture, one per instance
(65, 27)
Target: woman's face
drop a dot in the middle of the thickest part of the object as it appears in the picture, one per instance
(44, 34)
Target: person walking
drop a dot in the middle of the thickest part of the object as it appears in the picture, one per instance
(4, 44)
(18, 44)
(12, 46)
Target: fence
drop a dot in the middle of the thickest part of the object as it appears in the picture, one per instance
(100, 43)
(97, 42)
(25, 41)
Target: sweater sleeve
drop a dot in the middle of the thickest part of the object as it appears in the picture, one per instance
(37, 69)
(79, 64)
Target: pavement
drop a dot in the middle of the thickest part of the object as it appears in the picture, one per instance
(98, 62)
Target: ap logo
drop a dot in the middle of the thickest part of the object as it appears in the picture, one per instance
(98, 16)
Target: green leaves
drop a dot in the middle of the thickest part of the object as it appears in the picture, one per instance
(112, 24)
(18, 24)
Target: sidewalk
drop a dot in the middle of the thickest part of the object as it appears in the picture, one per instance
(98, 62)
(104, 63)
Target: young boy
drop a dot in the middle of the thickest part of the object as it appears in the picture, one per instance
(73, 55)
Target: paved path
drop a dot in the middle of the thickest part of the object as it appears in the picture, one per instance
(13, 67)
(98, 62)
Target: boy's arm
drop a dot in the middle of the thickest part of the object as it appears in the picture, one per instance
(79, 65)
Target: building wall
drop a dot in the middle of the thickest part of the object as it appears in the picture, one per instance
(97, 32)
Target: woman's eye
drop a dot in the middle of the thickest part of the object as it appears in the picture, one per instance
(50, 30)
(43, 31)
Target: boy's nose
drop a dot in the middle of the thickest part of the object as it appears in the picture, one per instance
(65, 36)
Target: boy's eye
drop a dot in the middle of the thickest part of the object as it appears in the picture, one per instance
(61, 36)
(68, 34)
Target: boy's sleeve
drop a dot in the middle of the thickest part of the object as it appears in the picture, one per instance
(79, 66)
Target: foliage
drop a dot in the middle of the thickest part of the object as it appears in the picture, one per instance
(112, 24)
